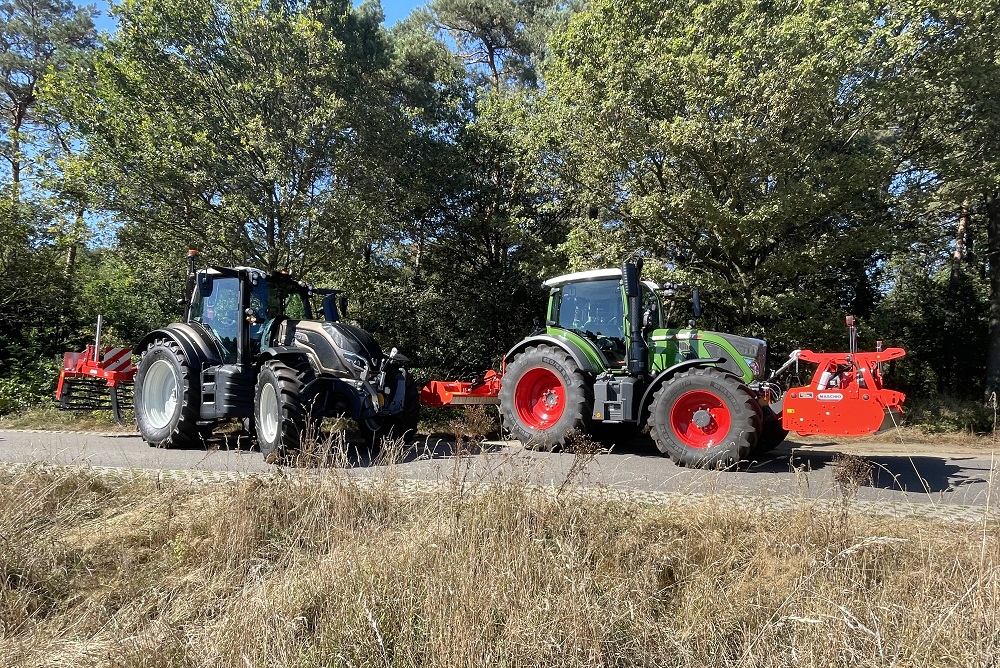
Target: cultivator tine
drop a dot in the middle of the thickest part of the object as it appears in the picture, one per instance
(84, 394)
(121, 404)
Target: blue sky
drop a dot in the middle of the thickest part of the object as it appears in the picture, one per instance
(395, 10)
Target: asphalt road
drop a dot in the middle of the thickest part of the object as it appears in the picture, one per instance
(900, 473)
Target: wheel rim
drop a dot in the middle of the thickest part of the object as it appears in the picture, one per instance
(540, 398)
(700, 419)
(268, 408)
(159, 394)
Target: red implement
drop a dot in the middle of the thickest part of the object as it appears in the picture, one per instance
(114, 367)
(94, 380)
(438, 393)
(845, 396)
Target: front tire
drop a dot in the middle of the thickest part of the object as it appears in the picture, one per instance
(703, 418)
(165, 397)
(773, 432)
(281, 410)
(403, 424)
(543, 397)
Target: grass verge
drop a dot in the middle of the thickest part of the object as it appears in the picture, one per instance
(325, 570)
(48, 416)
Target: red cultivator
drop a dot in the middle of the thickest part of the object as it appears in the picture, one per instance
(92, 381)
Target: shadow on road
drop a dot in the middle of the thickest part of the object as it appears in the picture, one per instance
(912, 474)
(903, 473)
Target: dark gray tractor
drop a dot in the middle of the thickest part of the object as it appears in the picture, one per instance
(249, 348)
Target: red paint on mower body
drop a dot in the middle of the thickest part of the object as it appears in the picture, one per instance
(438, 393)
(845, 396)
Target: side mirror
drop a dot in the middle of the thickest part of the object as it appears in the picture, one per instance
(696, 303)
(647, 320)
(206, 283)
(343, 304)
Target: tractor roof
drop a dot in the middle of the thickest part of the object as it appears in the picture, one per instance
(576, 277)
(591, 275)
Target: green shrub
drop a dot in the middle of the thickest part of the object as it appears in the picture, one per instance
(943, 414)
(28, 383)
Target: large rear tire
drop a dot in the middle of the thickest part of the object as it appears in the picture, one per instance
(282, 412)
(704, 418)
(166, 398)
(543, 397)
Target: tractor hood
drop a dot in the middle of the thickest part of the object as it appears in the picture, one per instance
(339, 349)
(753, 352)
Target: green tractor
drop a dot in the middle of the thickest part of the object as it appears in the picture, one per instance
(607, 363)
(249, 348)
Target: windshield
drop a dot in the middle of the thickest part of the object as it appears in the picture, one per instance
(594, 307)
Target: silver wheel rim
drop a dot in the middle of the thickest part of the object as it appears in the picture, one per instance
(159, 394)
(268, 410)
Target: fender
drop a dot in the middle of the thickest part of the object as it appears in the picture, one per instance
(569, 347)
(666, 375)
(197, 350)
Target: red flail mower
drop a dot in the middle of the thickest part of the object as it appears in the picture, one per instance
(845, 396)
(98, 379)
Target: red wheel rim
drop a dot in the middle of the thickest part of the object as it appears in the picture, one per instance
(540, 398)
(700, 419)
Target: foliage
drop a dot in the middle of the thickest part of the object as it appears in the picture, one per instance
(250, 131)
(727, 139)
(798, 161)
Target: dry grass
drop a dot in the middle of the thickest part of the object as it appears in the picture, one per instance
(50, 417)
(322, 570)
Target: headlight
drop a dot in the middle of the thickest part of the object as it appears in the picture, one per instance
(357, 361)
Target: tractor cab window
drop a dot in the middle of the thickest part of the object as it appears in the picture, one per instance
(651, 303)
(216, 305)
(270, 301)
(595, 310)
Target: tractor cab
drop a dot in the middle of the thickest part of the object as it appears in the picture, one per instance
(592, 305)
(238, 308)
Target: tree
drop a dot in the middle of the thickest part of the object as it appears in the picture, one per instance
(253, 131)
(746, 142)
(37, 36)
(940, 68)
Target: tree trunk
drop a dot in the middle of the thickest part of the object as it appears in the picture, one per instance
(959, 253)
(992, 201)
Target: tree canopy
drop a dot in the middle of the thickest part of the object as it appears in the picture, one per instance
(798, 161)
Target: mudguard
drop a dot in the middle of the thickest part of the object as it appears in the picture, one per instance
(569, 347)
(197, 349)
